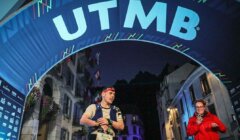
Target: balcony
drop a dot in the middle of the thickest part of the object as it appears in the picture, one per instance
(49, 109)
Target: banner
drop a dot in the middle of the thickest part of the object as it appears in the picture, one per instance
(45, 33)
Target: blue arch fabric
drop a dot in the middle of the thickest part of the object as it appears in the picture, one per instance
(31, 42)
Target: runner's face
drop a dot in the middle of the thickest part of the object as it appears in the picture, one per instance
(109, 96)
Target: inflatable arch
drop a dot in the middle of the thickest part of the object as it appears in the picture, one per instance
(46, 32)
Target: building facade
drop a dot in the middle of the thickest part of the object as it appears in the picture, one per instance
(168, 90)
(133, 128)
(65, 93)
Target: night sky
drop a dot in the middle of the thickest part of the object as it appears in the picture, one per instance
(123, 60)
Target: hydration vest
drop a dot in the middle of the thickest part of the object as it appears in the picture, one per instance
(99, 114)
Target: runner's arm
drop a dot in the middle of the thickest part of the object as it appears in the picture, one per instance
(85, 120)
(119, 125)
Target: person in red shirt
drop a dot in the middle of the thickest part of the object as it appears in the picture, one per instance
(203, 125)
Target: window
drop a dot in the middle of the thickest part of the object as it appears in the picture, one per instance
(80, 68)
(134, 119)
(212, 109)
(67, 106)
(78, 89)
(77, 114)
(205, 85)
(134, 130)
(140, 131)
(192, 94)
(64, 134)
(69, 78)
(47, 88)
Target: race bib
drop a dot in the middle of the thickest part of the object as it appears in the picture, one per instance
(102, 136)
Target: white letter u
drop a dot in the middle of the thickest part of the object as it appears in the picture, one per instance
(62, 29)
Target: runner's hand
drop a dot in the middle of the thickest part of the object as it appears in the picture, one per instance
(102, 121)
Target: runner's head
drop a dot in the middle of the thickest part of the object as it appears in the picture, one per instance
(108, 95)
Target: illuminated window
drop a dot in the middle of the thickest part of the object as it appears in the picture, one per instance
(134, 119)
(205, 85)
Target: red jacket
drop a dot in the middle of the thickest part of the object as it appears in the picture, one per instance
(204, 131)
